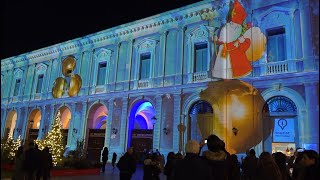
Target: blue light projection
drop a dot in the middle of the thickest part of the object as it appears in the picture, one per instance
(101, 121)
(140, 117)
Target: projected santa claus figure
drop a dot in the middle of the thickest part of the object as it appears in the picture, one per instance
(232, 59)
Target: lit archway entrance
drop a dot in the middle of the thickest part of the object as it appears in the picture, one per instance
(33, 125)
(200, 121)
(284, 137)
(96, 129)
(10, 124)
(140, 129)
(65, 116)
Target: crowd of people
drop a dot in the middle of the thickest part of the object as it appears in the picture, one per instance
(217, 164)
(32, 163)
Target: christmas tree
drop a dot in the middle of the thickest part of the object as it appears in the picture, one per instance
(54, 141)
(9, 147)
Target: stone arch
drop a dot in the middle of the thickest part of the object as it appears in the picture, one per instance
(300, 104)
(10, 123)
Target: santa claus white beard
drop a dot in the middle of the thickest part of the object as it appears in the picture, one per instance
(230, 32)
(222, 66)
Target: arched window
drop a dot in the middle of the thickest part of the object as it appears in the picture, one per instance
(201, 107)
(280, 104)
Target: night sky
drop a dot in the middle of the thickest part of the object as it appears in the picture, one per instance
(31, 25)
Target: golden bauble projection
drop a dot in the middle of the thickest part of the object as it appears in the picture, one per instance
(75, 85)
(236, 104)
(58, 87)
(68, 65)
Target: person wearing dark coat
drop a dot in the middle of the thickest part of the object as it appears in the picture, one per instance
(47, 163)
(281, 160)
(168, 168)
(235, 168)
(114, 158)
(18, 164)
(311, 167)
(127, 165)
(192, 166)
(105, 154)
(39, 164)
(31, 161)
(250, 164)
(217, 158)
(267, 168)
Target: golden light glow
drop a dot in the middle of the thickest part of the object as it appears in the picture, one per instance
(235, 104)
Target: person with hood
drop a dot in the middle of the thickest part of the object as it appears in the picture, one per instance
(192, 166)
(217, 158)
(127, 165)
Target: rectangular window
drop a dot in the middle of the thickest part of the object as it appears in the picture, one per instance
(200, 59)
(145, 66)
(39, 84)
(102, 69)
(276, 44)
(17, 87)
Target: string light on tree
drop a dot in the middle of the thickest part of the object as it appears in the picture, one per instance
(54, 141)
(10, 146)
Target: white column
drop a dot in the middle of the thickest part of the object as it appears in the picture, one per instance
(176, 121)
(124, 124)
(157, 125)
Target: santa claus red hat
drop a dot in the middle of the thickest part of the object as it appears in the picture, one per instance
(238, 13)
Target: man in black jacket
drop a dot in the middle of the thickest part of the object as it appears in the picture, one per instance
(127, 165)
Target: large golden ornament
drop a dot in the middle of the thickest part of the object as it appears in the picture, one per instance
(61, 85)
(68, 65)
(236, 105)
(58, 88)
(75, 85)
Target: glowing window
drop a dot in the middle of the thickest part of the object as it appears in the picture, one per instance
(276, 44)
(200, 59)
(102, 68)
(145, 66)
(17, 87)
(39, 84)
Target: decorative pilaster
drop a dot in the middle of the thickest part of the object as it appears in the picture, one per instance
(162, 54)
(312, 103)
(71, 134)
(180, 46)
(48, 85)
(42, 122)
(157, 125)
(305, 19)
(3, 121)
(176, 122)
(124, 123)
(108, 125)
(83, 120)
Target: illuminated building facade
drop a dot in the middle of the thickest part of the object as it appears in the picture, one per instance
(145, 78)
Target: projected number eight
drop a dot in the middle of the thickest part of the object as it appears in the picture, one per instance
(70, 83)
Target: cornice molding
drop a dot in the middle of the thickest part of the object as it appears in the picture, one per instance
(162, 19)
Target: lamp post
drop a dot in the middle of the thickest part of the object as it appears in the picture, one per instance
(153, 120)
(181, 129)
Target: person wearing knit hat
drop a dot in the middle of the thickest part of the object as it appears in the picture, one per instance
(192, 166)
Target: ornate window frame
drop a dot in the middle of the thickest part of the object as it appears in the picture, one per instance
(146, 45)
(40, 69)
(101, 55)
(18, 73)
(197, 36)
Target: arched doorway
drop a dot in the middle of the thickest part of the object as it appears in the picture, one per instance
(140, 128)
(65, 116)
(284, 137)
(96, 130)
(10, 124)
(33, 125)
(200, 121)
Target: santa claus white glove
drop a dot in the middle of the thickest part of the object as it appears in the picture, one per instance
(236, 44)
(241, 39)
